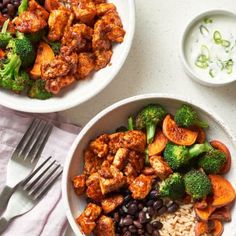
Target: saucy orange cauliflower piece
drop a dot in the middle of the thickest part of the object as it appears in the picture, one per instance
(105, 226)
(79, 183)
(100, 145)
(86, 64)
(88, 218)
(130, 173)
(141, 186)
(111, 179)
(160, 166)
(110, 203)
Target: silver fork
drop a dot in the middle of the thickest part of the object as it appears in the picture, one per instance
(25, 157)
(30, 191)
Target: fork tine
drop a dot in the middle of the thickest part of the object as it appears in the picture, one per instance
(35, 172)
(48, 185)
(40, 144)
(27, 136)
(32, 139)
(45, 180)
(29, 187)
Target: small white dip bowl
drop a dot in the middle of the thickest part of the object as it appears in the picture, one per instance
(190, 41)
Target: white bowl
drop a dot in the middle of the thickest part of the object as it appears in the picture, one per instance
(116, 115)
(192, 70)
(86, 89)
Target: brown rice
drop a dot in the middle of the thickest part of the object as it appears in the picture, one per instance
(180, 223)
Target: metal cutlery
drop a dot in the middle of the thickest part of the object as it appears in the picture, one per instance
(25, 157)
(28, 193)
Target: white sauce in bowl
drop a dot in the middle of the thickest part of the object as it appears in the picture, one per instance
(210, 47)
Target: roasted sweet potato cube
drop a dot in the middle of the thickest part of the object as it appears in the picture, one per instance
(79, 183)
(161, 167)
(88, 217)
(110, 203)
(141, 186)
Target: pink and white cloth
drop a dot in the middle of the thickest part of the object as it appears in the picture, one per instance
(48, 217)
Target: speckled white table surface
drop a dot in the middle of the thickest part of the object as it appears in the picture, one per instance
(153, 64)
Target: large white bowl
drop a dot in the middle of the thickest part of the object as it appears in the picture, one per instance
(116, 115)
(86, 89)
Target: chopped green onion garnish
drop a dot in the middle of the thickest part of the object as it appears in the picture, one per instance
(217, 37)
(203, 30)
(131, 123)
(205, 51)
(207, 20)
(212, 73)
(202, 65)
(202, 58)
(225, 43)
(229, 66)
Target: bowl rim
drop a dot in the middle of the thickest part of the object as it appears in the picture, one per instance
(65, 182)
(187, 68)
(62, 105)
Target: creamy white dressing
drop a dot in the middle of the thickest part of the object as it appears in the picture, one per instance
(211, 47)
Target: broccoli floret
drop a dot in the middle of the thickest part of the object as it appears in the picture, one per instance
(130, 123)
(23, 48)
(10, 77)
(5, 36)
(36, 37)
(23, 6)
(148, 118)
(197, 184)
(179, 156)
(212, 161)
(186, 116)
(172, 187)
(38, 90)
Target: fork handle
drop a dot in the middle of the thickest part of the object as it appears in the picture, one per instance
(3, 224)
(4, 197)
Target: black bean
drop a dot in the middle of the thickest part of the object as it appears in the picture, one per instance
(162, 210)
(132, 229)
(128, 221)
(150, 203)
(133, 208)
(142, 217)
(121, 211)
(138, 224)
(158, 204)
(121, 223)
(11, 9)
(156, 233)
(151, 211)
(140, 206)
(127, 233)
(157, 225)
(153, 194)
(5, 2)
(173, 207)
(149, 228)
(124, 229)
(140, 231)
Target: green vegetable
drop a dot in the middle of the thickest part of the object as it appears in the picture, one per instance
(225, 43)
(131, 123)
(38, 90)
(5, 36)
(197, 184)
(179, 156)
(147, 162)
(212, 161)
(207, 20)
(203, 30)
(172, 187)
(217, 37)
(229, 66)
(186, 116)
(148, 118)
(23, 6)
(10, 75)
(23, 48)
(212, 73)
(36, 37)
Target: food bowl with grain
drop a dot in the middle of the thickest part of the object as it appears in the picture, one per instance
(153, 164)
